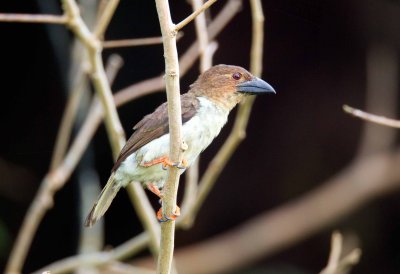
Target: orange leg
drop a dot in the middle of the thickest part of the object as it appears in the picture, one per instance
(164, 160)
(160, 216)
(154, 189)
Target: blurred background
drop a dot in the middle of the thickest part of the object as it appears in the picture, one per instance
(318, 56)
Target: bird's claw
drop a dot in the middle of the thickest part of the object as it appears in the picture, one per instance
(181, 165)
(163, 218)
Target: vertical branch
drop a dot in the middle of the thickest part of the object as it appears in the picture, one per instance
(202, 35)
(169, 31)
(257, 43)
(146, 215)
(206, 53)
(97, 75)
(105, 18)
(89, 185)
(67, 121)
(175, 124)
(382, 84)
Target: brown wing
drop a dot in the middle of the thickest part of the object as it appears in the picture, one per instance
(154, 125)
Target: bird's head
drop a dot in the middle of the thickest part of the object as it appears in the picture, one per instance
(226, 85)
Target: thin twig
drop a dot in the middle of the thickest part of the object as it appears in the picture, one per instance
(114, 64)
(382, 72)
(91, 240)
(190, 194)
(135, 42)
(105, 18)
(69, 264)
(132, 42)
(33, 18)
(146, 214)
(190, 18)
(97, 75)
(377, 119)
(170, 188)
(349, 260)
(67, 122)
(123, 268)
(206, 54)
(257, 43)
(336, 252)
(202, 35)
(87, 178)
(337, 264)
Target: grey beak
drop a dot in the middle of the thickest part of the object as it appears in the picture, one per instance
(255, 86)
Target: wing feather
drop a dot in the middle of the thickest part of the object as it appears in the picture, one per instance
(154, 125)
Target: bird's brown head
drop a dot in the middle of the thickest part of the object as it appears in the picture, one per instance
(226, 85)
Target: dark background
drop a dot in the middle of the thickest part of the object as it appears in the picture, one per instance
(315, 54)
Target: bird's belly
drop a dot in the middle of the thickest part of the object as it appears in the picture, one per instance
(133, 170)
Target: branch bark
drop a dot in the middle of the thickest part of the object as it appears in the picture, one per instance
(373, 118)
(337, 263)
(192, 16)
(97, 74)
(170, 188)
(33, 18)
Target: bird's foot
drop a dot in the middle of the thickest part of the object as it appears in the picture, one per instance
(181, 165)
(166, 163)
(163, 218)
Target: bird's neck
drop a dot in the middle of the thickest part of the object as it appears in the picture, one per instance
(227, 102)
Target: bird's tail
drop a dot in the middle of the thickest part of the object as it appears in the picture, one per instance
(103, 201)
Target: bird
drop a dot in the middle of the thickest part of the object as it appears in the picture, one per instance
(205, 108)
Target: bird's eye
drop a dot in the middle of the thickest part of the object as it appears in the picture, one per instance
(236, 75)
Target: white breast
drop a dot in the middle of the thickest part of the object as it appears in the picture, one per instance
(197, 133)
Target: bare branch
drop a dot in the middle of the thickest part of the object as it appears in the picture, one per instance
(105, 18)
(67, 122)
(136, 42)
(381, 97)
(123, 268)
(257, 43)
(33, 18)
(170, 188)
(337, 264)
(115, 62)
(190, 18)
(98, 76)
(132, 42)
(146, 214)
(377, 119)
(192, 175)
(201, 32)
